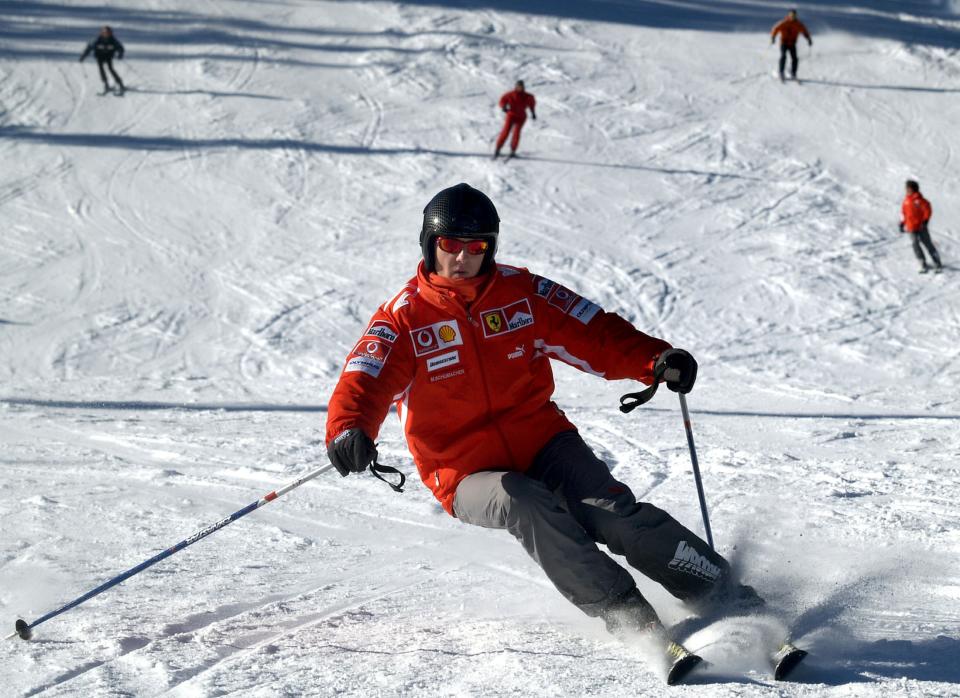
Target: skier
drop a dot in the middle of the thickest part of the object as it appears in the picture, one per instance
(464, 351)
(915, 215)
(104, 47)
(789, 28)
(515, 104)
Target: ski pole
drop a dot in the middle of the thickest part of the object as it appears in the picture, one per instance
(696, 468)
(23, 629)
(631, 401)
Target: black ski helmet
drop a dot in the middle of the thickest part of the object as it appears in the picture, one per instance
(463, 212)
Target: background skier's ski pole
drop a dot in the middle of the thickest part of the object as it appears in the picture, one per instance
(696, 468)
(23, 628)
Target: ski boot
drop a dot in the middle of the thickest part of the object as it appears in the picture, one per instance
(632, 614)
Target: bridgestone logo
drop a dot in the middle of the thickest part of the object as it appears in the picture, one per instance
(443, 360)
(688, 560)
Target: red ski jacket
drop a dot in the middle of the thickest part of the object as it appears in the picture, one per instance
(916, 212)
(517, 103)
(473, 387)
(789, 31)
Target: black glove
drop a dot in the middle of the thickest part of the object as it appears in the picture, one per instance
(902, 227)
(678, 368)
(351, 452)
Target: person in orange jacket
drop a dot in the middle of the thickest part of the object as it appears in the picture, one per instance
(515, 104)
(464, 350)
(789, 28)
(915, 215)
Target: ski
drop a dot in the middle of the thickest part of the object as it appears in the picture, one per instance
(786, 659)
(680, 662)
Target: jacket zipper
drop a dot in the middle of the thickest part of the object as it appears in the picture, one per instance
(474, 327)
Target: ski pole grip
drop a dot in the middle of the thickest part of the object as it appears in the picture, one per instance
(671, 374)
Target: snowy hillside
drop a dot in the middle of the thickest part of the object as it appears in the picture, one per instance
(183, 270)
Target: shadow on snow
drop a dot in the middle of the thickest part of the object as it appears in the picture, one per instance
(26, 26)
(266, 407)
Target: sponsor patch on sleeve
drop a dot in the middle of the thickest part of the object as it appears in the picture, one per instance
(562, 297)
(382, 330)
(542, 286)
(584, 310)
(368, 357)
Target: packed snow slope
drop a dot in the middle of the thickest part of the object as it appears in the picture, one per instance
(183, 270)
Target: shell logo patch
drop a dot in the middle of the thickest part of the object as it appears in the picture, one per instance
(447, 333)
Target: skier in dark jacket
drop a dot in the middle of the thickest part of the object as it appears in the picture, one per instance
(104, 47)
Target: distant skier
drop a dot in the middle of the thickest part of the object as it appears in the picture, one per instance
(789, 28)
(915, 215)
(464, 352)
(104, 47)
(515, 104)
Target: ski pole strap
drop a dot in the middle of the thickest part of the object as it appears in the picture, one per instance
(376, 468)
(631, 401)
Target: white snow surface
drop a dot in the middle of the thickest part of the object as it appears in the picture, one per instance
(183, 270)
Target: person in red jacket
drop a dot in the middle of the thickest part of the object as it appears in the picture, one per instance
(915, 215)
(789, 28)
(515, 104)
(464, 351)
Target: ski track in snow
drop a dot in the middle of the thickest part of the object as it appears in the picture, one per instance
(220, 235)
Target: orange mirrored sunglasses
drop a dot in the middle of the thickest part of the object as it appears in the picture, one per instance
(453, 246)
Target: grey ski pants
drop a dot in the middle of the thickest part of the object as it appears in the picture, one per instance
(567, 503)
(923, 236)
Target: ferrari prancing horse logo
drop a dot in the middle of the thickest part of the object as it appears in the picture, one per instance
(493, 321)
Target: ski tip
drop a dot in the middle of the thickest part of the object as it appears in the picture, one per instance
(22, 629)
(682, 668)
(786, 660)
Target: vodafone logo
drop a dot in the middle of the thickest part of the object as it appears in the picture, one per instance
(372, 347)
(425, 338)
